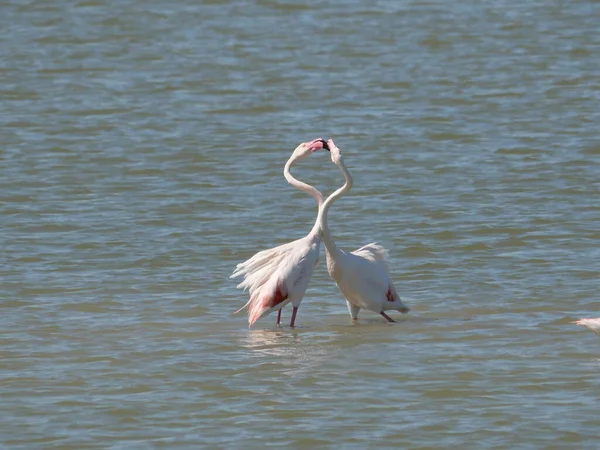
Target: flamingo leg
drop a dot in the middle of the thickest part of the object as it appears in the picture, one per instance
(389, 319)
(279, 317)
(293, 321)
(354, 310)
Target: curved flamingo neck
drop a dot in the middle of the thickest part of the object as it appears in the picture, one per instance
(324, 210)
(314, 192)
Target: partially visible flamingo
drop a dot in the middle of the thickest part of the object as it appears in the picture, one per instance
(592, 324)
(280, 275)
(361, 275)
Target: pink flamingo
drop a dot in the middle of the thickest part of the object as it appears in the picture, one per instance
(362, 275)
(280, 275)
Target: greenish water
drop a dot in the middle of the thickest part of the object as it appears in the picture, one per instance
(142, 148)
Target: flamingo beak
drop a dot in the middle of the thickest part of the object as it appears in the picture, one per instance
(314, 145)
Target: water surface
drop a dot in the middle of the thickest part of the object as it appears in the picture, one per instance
(142, 153)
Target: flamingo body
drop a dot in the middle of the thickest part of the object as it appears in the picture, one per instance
(363, 278)
(278, 276)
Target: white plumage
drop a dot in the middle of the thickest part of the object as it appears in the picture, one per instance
(280, 275)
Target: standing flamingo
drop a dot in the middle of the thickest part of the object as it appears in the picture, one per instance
(362, 275)
(280, 275)
(592, 324)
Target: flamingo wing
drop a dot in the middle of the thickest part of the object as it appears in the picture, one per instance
(373, 252)
(261, 260)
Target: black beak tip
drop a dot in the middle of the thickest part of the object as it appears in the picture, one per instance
(325, 146)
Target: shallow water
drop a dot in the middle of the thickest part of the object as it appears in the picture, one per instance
(142, 150)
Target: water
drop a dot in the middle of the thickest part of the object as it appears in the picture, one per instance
(142, 153)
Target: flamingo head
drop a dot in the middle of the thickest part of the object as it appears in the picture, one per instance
(336, 155)
(306, 148)
(592, 324)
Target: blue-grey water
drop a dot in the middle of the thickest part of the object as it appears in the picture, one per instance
(142, 148)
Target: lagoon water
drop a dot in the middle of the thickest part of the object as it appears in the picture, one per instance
(142, 152)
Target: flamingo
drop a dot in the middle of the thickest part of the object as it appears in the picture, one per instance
(592, 324)
(280, 275)
(362, 275)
